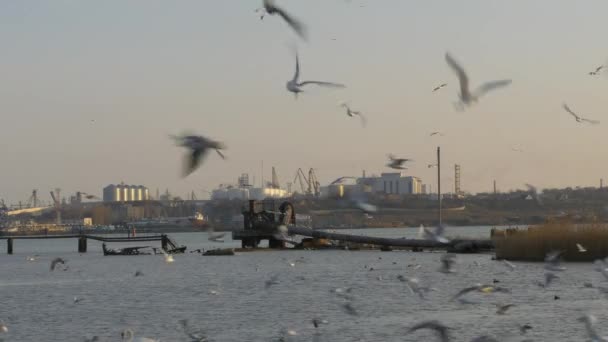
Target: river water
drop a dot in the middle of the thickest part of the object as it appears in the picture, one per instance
(226, 297)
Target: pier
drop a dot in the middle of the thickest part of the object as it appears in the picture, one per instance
(83, 239)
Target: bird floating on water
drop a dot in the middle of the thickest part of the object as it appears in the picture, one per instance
(467, 98)
(198, 146)
(128, 336)
(578, 118)
(295, 86)
(397, 163)
(502, 309)
(270, 8)
(440, 329)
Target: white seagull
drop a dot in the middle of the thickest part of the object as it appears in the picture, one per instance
(439, 87)
(216, 237)
(128, 336)
(168, 257)
(295, 86)
(466, 97)
(579, 119)
(580, 248)
(436, 235)
(352, 113)
(271, 9)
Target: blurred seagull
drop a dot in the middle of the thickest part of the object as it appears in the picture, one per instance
(436, 133)
(578, 118)
(602, 267)
(128, 336)
(3, 328)
(590, 321)
(431, 165)
(341, 180)
(366, 207)
(510, 265)
(414, 286)
(502, 309)
(198, 146)
(480, 288)
(437, 235)
(295, 86)
(596, 71)
(439, 87)
(219, 237)
(516, 149)
(77, 300)
(552, 261)
(440, 329)
(352, 113)
(195, 335)
(397, 163)
(580, 248)
(55, 262)
(466, 97)
(272, 281)
(271, 9)
(447, 263)
(534, 193)
(549, 277)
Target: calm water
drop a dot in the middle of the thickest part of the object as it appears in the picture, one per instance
(38, 305)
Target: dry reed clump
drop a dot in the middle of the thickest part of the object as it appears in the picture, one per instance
(535, 242)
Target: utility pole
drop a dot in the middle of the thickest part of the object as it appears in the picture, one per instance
(495, 187)
(439, 180)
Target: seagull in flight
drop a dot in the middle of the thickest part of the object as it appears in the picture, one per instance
(352, 113)
(578, 118)
(580, 248)
(549, 277)
(55, 262)
(436, 235)
(397, 163)
(295, 86)
(596, 71)
(198, 146)
(439, 87)
(271, 9)
(502, 309)
(553, 261)
(440, 329)
(467, 98)
(216, 237)
(590, 321)
(436, 133)
(516, 149)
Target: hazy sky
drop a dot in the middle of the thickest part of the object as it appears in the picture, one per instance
(148, 68)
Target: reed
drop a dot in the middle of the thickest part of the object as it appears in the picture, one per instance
(534, 243)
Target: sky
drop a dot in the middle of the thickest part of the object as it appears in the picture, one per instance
(90, 91)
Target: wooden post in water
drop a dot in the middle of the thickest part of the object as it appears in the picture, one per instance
(164, 242)
(9, 246)
(439, 180)
(82, 244)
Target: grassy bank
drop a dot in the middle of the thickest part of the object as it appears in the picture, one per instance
(535, 242)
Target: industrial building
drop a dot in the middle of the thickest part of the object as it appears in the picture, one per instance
(125, 193)
(244, 191)
(393, 183)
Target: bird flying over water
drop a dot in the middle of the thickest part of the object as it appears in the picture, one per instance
(352, 113)
(3, 328)
(553, 261)
(579, 119)
(440, 329)
(295, 86)
(448, 260)
(502, 309)
(467, 98)
(549, 277)
(439, 87)
(271, 9)
(436, 235)
(580, 248)
(397, 163)
(510, 265)
(198, 146)
(414, 286)
(596, 71)
(590, 321)
(216, 237)
(480, 288)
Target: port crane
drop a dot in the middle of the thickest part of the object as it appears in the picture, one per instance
(56, 196)
(312, 187)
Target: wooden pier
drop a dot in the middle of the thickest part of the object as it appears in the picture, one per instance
(83, 238)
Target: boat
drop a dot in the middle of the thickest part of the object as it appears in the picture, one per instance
(125, 251)
(198, 221)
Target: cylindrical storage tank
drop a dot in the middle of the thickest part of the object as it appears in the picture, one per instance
(132, 192)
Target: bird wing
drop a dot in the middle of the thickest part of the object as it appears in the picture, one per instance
(295, 24)
(593, 122)
(488, 86)
(363, 119)
(297, 73)
(567, 109)
(194, 160)
(220, 153)
(465, 291)
(462, 76)
(323, 84)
